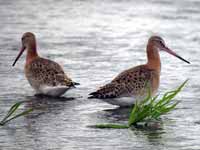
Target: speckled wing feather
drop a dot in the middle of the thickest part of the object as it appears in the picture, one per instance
(128, 83)
(110, 90)
(46, 72)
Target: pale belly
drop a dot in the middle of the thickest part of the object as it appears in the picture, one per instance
(124, 101)
(54, 91)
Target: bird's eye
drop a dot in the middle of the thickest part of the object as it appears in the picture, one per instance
(161, 42)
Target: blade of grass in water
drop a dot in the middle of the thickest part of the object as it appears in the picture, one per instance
(16, 116)
(113, 126)
(13, 110)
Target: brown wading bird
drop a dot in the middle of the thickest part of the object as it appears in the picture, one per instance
(45, 76)
(131, 84)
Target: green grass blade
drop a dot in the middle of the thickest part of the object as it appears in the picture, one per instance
(113, 126)
(133, 114)
(169, 108)
(12, 110)
(168, 96)
(16, 116)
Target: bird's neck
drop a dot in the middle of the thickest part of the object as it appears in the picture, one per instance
(31, 53)
(153, 58)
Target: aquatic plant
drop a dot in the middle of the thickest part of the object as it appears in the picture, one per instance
(12, 110)
(149, 109)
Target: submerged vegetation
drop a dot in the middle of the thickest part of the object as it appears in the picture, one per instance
(149, 109)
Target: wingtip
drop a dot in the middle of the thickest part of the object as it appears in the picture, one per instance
(73, 84)
(76, 83)
(92, 95)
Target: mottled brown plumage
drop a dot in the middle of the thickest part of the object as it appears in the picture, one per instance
(134, 82)
(129, 83)
(45, 76)
(46, 72)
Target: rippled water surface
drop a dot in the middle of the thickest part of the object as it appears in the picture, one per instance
(94, 41)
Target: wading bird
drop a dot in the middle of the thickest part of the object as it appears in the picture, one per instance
(133, 84)
(44, 75)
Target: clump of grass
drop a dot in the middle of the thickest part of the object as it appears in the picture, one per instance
(149, 109)
(12, 110)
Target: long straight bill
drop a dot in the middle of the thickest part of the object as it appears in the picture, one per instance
(174, 54)
(18, 56)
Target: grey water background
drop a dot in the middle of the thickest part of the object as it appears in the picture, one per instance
(94, 40)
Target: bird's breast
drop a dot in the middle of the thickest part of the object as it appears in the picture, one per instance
(155, 82)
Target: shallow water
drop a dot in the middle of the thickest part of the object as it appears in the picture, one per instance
(94, 41)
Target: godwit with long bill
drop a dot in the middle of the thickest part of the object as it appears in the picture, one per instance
(44, 75)
(133, 84)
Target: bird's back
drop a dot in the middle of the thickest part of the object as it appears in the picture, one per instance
(43, 71)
